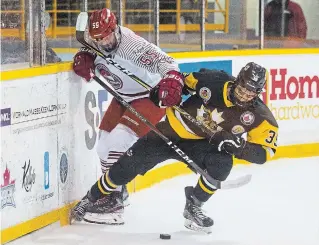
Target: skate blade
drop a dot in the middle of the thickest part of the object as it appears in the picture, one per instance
(194, 227)
(104, 219)
(126, 203)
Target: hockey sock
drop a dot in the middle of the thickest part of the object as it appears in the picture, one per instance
(102, 187)
(203, 190)
(112, 158)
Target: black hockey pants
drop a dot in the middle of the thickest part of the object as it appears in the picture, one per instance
(151, 150)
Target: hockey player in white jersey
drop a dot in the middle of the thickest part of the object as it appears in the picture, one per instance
(120, 129)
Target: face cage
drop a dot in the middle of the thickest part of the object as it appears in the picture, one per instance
(111, 48)
(235, 97)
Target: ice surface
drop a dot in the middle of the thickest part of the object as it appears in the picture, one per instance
(279, 207)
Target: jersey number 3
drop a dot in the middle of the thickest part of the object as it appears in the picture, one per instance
(272, 138)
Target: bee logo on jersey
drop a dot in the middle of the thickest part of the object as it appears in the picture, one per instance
(247, 118)
(114, 80)
(238, 129)
(205, 94)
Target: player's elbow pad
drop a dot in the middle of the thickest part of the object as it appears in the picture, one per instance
(253, 153)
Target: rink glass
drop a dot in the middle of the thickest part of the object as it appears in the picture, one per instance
(47, 27)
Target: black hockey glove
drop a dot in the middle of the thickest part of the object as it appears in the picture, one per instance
(228, 142)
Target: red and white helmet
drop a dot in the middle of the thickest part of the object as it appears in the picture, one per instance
(102, 23)
(103, 30)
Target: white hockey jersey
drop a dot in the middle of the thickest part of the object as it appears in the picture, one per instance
(140, 57)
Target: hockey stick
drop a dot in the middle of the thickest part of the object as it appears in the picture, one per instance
(81, 25)
(228, 184)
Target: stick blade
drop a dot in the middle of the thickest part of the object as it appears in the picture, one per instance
(230, 184)
(82, 21)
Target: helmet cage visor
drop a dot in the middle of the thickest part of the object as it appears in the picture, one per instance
(108, 42)
(243, 95)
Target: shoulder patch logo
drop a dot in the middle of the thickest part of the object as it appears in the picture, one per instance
(247, 118)
(205, 94)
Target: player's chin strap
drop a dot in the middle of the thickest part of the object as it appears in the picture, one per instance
(80, 29)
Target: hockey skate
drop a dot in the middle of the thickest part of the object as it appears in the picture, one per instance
(108, 210)
(78, 212)
(195, 219)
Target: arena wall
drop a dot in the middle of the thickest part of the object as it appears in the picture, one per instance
(49, 129)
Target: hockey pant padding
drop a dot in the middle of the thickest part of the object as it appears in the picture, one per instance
(146, 153)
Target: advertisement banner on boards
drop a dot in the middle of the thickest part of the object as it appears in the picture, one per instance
(29, 120)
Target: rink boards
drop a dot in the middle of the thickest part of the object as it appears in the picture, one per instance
(49, 129)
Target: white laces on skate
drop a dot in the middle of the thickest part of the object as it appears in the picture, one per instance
(82, 206)
(80, 210)
(199, 212)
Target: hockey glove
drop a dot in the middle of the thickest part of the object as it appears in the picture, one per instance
(228, 142)
(84, 63)
(168, 92)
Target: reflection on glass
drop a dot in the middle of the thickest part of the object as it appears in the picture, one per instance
(291, 24)
(61, 31)
(229, 24)
(13, 48)
(180, 25)
(61, 34)
(139, 17)
(232, 25)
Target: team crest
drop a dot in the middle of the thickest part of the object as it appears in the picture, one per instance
(247, 118)
(238, 129)
(113, 79)
(205, 94)
(210, 118)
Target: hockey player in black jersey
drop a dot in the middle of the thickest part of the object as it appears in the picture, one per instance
(245, 128)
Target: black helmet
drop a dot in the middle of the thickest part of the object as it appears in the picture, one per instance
(249, 83)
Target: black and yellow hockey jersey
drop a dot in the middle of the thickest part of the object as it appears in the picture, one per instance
(210, 105)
